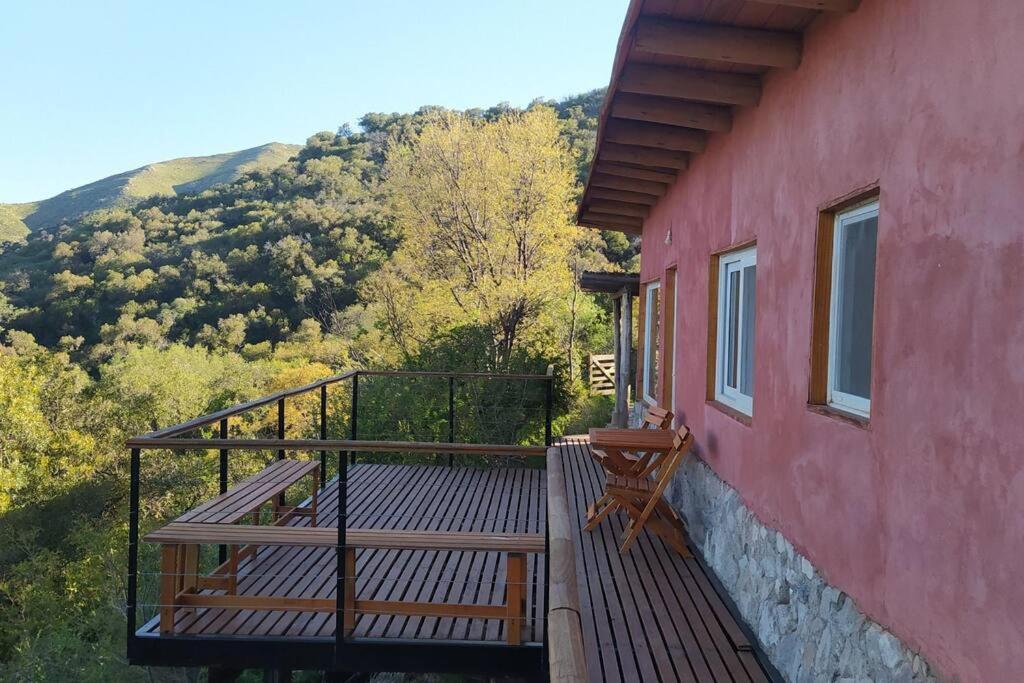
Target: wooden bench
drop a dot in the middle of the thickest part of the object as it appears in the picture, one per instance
(246, 498)
(179, 588)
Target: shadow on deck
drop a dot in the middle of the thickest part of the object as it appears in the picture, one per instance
(649, 615)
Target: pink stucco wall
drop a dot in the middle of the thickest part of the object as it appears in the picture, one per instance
(920, 515)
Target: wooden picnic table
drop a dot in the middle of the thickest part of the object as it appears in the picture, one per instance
(629, 452)
(646, 440)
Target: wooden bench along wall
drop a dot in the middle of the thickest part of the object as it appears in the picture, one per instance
(180, 586)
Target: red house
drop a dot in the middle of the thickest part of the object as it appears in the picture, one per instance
(830, 195)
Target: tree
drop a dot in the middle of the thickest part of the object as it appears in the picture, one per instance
(484, 211)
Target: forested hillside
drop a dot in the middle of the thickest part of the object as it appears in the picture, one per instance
(239, 263)
(433, 240)
(167, 178)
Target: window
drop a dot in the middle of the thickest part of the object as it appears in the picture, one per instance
(734, 354)
(652, 341)
(851, 309)
(671, 317)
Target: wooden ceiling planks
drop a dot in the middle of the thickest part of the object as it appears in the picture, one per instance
(748, 46)
(681, 68)
(690, 84)
(671, 112)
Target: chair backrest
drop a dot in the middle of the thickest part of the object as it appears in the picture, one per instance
(667, 466)
(657, 418)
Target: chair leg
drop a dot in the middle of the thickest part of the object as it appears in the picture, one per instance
(595, 516)
(638, 524)
(669, 534)
(670, 515)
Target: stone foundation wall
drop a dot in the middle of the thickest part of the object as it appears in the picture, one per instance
(810, 630)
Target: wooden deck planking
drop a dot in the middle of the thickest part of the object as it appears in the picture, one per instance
(650, 614)
(396, 497)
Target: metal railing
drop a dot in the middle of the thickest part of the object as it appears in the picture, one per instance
(173, 438)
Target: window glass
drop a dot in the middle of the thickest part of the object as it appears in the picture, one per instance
(852, 316)
(652, 341)
(747, 333)
(735, 330)
(732, 331)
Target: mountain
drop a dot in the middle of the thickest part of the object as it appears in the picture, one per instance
(178, 176)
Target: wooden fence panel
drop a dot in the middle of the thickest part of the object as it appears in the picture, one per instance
(602, 373)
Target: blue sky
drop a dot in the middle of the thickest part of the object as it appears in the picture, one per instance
(94, 88)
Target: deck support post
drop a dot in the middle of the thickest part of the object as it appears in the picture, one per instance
(350, 591)
(515, 598)
(216, 674)
(619, 412)
(623, 373)
(168, 586)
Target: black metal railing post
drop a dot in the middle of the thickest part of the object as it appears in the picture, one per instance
(451, 415)
(342, 521)
(133, 545)
(323, 434)
(222, 552)
(280, 426)
(549, 390)
(354, 423)
(280, 435)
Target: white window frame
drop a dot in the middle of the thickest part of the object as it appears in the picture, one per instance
(675, 338)
(648, 295)
(727, 263)
(835, 398)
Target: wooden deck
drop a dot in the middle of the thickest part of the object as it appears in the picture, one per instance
(432, 498)
(650, 615)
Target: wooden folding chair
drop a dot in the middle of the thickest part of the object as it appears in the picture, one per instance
(641, 498)
(625, 462)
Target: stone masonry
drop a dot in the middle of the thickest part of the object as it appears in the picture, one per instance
(810, 630)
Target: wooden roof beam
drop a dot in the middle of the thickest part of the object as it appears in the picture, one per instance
(655, 135)
(608, 168)
(613, 182)
(606, 206)
(643, 156)
(590, 219)
(754, 47)
(690, 84)
(671, 112)
(598, 192)
(823, 5)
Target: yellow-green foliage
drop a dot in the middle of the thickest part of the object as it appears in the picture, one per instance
(63, 488)
(484, 210)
